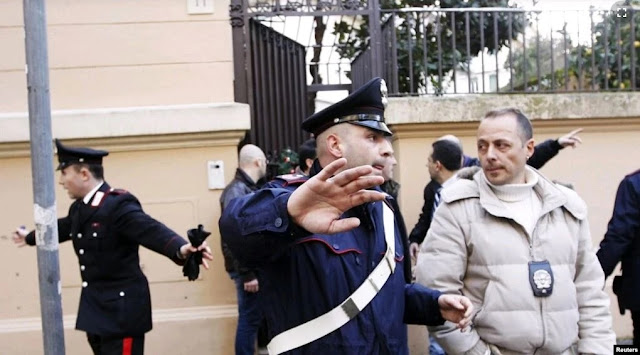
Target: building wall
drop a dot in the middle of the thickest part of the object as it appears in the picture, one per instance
(153, 85)
(122, 53)
(611, 125)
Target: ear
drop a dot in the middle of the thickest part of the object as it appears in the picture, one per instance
(85, 173)
(334, 146)
(530, 146)
(438, 165)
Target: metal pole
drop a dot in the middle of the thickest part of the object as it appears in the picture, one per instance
(42, 173)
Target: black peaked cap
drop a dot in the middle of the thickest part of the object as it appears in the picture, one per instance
(72, 155)
(364, 107)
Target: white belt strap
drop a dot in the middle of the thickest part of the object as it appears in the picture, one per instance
(317, 328)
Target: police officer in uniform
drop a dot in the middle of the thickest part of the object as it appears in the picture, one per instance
(106, 226)
(621, 244)
(328, 246)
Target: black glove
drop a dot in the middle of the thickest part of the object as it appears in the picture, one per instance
(191, 267)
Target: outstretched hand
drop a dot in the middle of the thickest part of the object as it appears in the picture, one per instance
(318, 203)
(570, 139)
(189, 249)
(456, 309)
(19, 237)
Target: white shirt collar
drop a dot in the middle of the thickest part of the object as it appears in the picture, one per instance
(450, 180)
(88, 196)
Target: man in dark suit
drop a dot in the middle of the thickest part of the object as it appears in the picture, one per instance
(621, 243)
(107, 226)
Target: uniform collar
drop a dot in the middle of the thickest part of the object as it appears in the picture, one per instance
(88, 196)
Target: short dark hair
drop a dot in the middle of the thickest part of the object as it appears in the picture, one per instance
(95, 169)
(523, 122)
(448, 153)
(307, 150)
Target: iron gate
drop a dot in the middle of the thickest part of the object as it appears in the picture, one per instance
(278, 76)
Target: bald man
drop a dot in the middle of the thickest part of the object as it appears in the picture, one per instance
(252, 166)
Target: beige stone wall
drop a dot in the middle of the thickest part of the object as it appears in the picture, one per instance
(121, 53)
(611, 125)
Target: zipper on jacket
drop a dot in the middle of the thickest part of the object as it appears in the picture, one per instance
(540, 299)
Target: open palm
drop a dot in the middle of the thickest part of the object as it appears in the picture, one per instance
(318, 203)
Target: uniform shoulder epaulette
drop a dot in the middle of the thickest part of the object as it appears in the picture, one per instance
(113, 191)
(292, 179)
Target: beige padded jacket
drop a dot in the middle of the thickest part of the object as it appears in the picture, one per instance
(474, 247)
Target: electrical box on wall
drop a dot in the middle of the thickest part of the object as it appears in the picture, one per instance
(195, 7)
(215, 174)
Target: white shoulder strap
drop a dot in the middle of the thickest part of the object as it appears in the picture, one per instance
(349, 309)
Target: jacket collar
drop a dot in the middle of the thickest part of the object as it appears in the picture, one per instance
(242, 176)
(552, 195)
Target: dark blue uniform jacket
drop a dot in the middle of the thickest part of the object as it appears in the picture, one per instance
(622, 242)
(106, 233)
(304, 276)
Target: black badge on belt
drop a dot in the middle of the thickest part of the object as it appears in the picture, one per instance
(541, 278)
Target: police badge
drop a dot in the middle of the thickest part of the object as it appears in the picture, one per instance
(541, 278)
(383, 93)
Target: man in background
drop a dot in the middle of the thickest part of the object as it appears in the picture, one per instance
(306, 156)
(252, 166)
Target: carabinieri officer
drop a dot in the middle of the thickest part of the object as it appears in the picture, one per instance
(328, 247)
(106, 227)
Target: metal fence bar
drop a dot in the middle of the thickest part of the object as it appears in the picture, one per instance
(482, 47)
(553, 67)
(454, 50)
(439, 39)
(538, 69)
(524, 51)
(593, 54)
(511, 73)
(425, 52)
(468, 35)
(605, 62)
(633, 49)
(618, 49)
(496, 43)
(566, 59)
(409, 23)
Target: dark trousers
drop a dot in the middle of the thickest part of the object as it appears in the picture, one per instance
(635, 316)
(249, 318)
(116, 345)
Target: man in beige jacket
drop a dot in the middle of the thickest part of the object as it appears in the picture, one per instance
(519, 247)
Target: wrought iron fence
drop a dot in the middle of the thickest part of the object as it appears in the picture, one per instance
(500, 50)
(426, 51)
